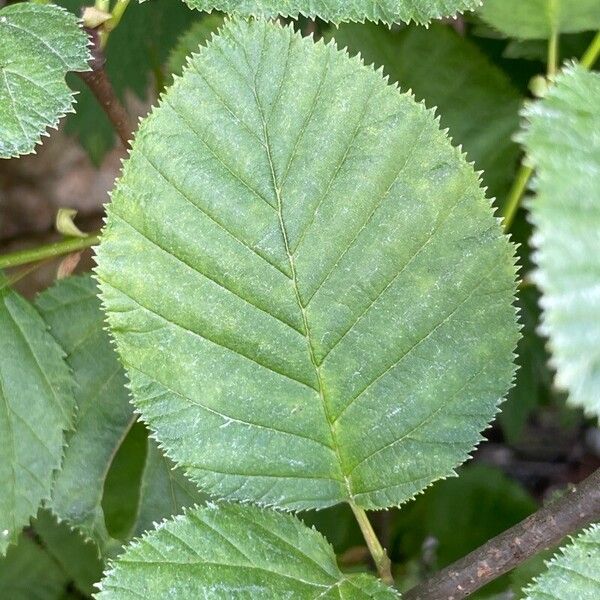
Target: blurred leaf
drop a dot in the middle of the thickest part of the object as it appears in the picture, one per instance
(198, 34)
(562, 141)
(530, 19)
(164, 492)
(574, 573)
(29, 573)
(37, 407)
(78, 558)
(39, 44)
(72, 310)
(475, 99)
(136, 53)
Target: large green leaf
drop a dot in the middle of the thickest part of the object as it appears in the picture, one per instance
(72, 310)
(574, 573)
(475, 99)
(539, 19)
(36, 407)
(387, 11)
(235, 552)
(562, 140)
(305, 280)
(39, 44)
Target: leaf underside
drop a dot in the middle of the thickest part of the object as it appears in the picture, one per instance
(574, 573)
(39, 45)
(305, 280)
(562, 140)
(539, 19)
(235, 552)
(36, 407)
(337, 11)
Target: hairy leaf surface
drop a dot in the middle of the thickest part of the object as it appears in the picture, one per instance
(562, 141)
(305, 280)
(36, 407)
(539, 19)
(39, 45)
(235, 552)
(475, 99)
(72, 310)
(574, 573)
(387, 11)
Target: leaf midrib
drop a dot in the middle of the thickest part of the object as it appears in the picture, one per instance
(277, 189)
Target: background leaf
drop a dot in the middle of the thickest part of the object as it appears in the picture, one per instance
(562, 143)
(573, 573)
(36, 407)
(303, 340)
(531, 19)
(474, 98)
(72, 310)
(235, 552)
(387, 11)
(39, 44)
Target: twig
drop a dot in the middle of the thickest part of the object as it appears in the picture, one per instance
(544, 529)
(99, 83)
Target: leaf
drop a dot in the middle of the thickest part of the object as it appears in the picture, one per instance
(164, 491)
(539, 19)
(562, 142)
(573, 573)
(386, 11)
(235, 551)
(198, 34)
(476, 100)
(36, 407)
(304, 279)
(72, 310)
(135, 54)
(39, 44)
(77, 558)
(28, 572)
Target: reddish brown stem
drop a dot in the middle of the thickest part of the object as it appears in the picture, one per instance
(99, 83)
(544, 529)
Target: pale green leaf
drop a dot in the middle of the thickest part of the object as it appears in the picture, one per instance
(562, 140)
(72, 310)
(234, 552)
(164, 491)
(572, 574)
(336, 11)
(538, 19)
(475, 99)
(29, 573)
(36, 407)
(39, 45)
(305, 280)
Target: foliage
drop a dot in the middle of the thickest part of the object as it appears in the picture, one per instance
(336, 11)
(566, 211)
(38, 46)
(231, 551)
(256, 286)
(573, 573)
(531, 19)
(38, 406)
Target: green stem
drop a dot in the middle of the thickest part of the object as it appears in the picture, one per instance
(516, 194)
(66, 246)
(553, 54)
(380, 557)
(592, 53)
